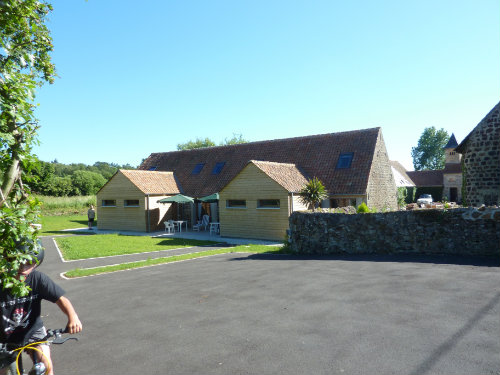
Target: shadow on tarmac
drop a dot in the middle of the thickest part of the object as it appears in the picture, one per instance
(478, 261)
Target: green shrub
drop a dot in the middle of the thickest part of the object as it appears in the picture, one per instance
(363, 209)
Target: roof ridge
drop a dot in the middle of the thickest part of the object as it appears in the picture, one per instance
(270, 141)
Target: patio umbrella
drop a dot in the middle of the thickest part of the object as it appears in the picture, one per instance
(213, 198)
(179, 198)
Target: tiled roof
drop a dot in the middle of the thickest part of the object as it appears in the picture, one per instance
(150, 182)
(426, 178)
(287, 175)
(452, 168)
(315, 155)
(400, 176)
(452, 143)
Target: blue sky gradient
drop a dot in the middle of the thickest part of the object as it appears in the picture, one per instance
(136, 78)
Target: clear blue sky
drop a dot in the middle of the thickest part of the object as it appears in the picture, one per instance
(141, 77)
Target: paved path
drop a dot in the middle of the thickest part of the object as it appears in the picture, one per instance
(257, 314)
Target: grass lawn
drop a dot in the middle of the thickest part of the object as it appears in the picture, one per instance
(102, 245)
(55, 224)
(151, 262)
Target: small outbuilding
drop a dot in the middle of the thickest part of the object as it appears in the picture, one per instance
(129, 200)
(259, 200)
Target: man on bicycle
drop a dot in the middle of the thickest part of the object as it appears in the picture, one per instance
(21, 322)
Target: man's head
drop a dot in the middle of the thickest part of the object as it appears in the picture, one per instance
(36, 251)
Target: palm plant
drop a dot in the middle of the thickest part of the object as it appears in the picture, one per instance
(313, 193)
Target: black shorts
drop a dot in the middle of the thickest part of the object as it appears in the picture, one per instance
(91, 220)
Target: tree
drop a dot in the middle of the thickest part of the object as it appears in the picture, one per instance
(207, 142)
(429, 153)
(25, 64)
(313, 193)
(235, 140)
(199, 143)
(87, 183)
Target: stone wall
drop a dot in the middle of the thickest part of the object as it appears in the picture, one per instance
(381, 190)
(463, 231)
(481, 159)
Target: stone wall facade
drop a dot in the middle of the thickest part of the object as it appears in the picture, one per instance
(481, 161)
(381, 190)
(456, 232)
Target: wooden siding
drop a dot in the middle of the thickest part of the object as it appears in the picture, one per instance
(251, 184)
(120, 189)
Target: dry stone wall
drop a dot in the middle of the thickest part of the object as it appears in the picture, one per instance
(464, 231)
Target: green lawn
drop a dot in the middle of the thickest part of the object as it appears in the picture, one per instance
(102, 245)
(54, 224)
(151, 262)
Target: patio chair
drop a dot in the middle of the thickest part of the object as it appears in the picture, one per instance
(169, 227)
(203, 223)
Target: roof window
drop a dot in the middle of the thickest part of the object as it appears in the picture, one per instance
(153, 168)
(218, 167)
(345, 160)
(197, 168)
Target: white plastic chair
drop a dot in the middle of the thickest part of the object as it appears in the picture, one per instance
(169, 227)
(204, 223)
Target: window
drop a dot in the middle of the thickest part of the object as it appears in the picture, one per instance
(236, 203)
(218, 167)
(268, 203)
(197, 168)
(153, 168)
(131, 203)
(108, 203)
(345, 160)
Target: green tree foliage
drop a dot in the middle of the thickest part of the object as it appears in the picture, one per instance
(207, 142)
(25, 64)
(198, 143)
(313, 193)
(87, 183)
(236, 139)
(429, 153)
(57, 179)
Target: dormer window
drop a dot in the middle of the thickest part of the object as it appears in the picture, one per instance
(197, 168)
(345, 160)
(153, 168)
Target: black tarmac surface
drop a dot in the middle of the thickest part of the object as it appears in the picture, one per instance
(259, 314)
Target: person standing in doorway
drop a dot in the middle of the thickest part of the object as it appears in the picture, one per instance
(91, 216)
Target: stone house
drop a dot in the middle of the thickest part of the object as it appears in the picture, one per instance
(353, 166)
(481, 161)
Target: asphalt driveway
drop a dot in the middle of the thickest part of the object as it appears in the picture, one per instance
(249, 314)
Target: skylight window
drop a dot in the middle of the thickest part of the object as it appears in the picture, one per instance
(345, 160)
(197, 168)
(153, 168)
(218, 167)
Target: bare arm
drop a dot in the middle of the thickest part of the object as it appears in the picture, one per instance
(74, 325)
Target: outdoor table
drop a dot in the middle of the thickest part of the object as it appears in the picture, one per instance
(179, 223)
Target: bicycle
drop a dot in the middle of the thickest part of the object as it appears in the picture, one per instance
(15, 353)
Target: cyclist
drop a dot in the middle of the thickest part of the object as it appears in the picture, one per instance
(21, 322)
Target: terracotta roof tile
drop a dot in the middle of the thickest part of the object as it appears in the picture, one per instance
(315, 155)
(287, 175)
(426, 178)
(150, 182)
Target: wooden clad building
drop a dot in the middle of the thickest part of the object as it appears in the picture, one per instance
(353, 166)
(259, 200)
(129, 200)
